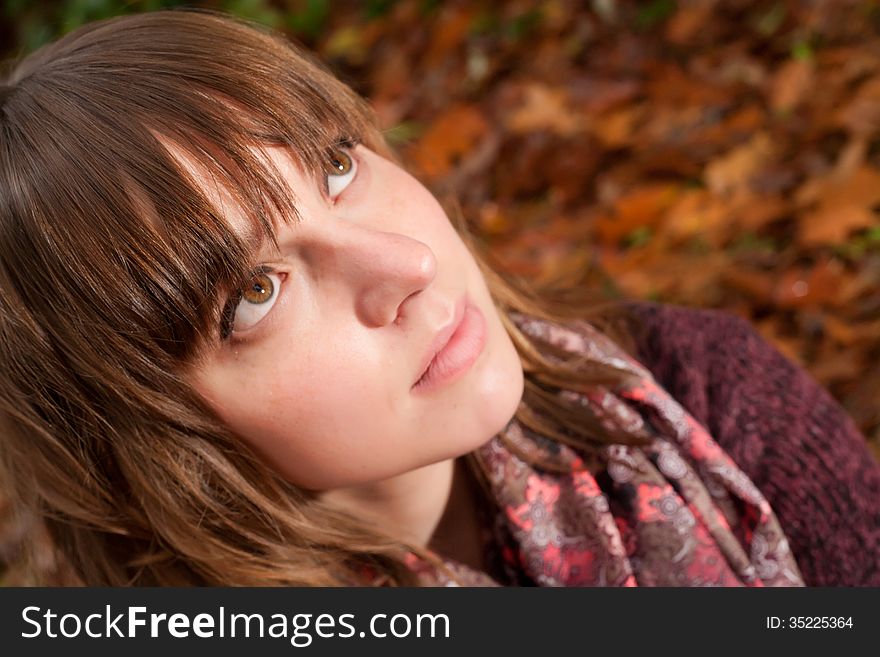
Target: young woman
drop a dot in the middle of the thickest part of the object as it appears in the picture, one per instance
(242, 346)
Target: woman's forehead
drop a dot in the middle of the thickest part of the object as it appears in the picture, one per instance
(277, 160)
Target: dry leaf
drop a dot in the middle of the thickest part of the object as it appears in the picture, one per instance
(757, 285)
(791, 347)
(792, 81)
(734, 170)
(545, 108)
(698, 213)
(687, 22)
(836, 365)
(642, 207)
(861, 114)
(616, 129)
(818, 286)
(448, 139)
(833, 224)
(450, 32)
(847, 333)
(751, 213)
(861, 188)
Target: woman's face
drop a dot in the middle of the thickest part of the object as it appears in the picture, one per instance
(318, 372)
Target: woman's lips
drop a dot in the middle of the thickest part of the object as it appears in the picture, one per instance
(443, 335)
(463, 348)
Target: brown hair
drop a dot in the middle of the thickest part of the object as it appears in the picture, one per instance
(111, 263)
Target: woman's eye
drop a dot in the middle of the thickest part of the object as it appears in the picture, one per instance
(341, 170)
(254, 302)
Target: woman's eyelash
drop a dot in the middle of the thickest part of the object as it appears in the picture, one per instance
(227, 315)
(345, 143)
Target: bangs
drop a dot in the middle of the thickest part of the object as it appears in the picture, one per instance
(109, 213)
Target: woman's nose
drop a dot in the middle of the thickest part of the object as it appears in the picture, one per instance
(380, 269)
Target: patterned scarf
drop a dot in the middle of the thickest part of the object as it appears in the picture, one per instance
(678, 512)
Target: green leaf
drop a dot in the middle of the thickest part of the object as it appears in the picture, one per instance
(654, 12)
(639, 237)
(771, 20)
(310, 19)
(802, 50)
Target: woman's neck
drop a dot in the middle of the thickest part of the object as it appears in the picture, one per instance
(458, 534)
(433, 506)
(408, 506)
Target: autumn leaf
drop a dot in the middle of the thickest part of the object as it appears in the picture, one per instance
(861, 187)
(545, 108)
(818, 286)
(641, 207)
(734, 171)
(449, 138)
(861, 114)
(790, 84)
(687, 22)
(616, 129)
(698, 213)
(833, 224)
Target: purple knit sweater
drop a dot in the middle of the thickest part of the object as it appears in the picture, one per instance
(782, 428)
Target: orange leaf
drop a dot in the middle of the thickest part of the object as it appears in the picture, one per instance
(734, 170)
(697, 212)
(848, 333)
(756, 285)
(643, 206)
(861, 187)
(791, 347)
(545, 108)
(790, 84)
(861, 115)
(833, 224)
(448, 139)
(449, 33)
(820, 286)
(616, 128)
(687, 23)
(752, 213)
(836, 365)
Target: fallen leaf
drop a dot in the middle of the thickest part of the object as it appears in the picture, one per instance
(641, 207)
(811, 288)
(734, 170)
(847, 333)
(449, 138)
(833, 224)
(449, 32)
(687, 22)
(751, 213)
(861, 187)
(792, 347)
(616, 128)
(545, 108)
(698, 213)
(861, 114)
(834, 364)
(756, 285)
(790, 84)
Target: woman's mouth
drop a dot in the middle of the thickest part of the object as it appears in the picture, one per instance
(459, 354)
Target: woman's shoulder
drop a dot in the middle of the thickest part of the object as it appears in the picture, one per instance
(782, 428)
(714, 362)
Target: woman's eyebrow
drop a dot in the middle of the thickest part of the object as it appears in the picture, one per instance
(258, 244)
